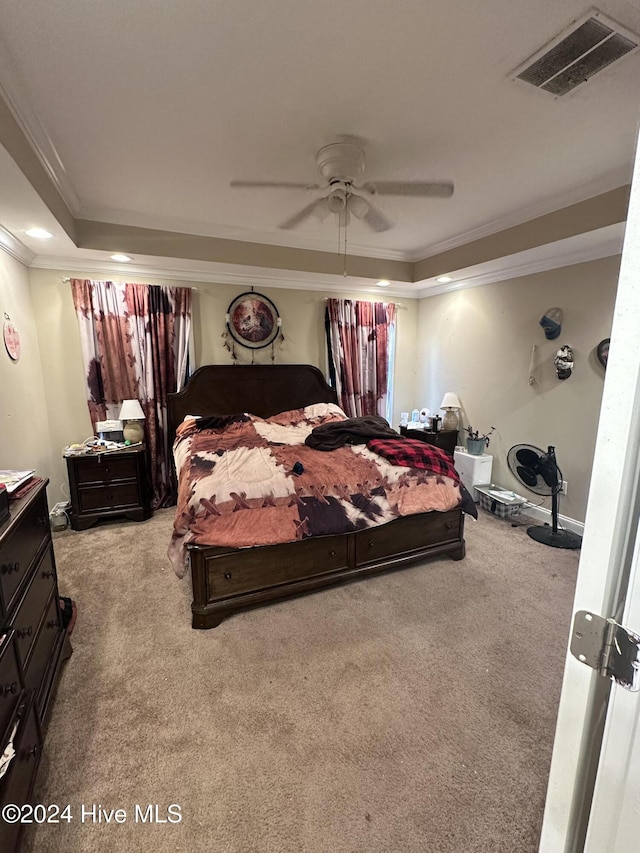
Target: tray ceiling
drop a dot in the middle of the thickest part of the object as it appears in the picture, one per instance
(142, 114)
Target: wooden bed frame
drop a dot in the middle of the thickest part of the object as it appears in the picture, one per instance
(225, 580)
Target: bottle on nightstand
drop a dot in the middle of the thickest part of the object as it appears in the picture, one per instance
(473, 470)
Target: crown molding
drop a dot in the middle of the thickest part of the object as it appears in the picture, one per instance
(222, 274)
(612, 181)
(604, 243)
(13, 247)
(14, 92)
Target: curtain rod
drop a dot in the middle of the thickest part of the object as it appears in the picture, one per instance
(66, 280)
(397, 304)
(198, 290)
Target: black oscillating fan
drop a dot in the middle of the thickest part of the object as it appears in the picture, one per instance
(539, 472)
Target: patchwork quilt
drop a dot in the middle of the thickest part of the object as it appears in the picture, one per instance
(245, 481)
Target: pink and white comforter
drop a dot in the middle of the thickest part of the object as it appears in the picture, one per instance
(238, 488)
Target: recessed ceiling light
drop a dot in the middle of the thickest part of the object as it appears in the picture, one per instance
(444, 279)
(383, 283)
(38, 233)
(123, 259)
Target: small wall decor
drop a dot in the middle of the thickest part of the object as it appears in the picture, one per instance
(603, 352)
(11, 338)
(253, 321)
(563, 362)
(532, 366)
(551, 322)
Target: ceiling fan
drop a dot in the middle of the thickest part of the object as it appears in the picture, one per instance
(341, 164)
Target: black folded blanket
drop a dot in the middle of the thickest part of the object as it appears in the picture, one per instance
(351, 431)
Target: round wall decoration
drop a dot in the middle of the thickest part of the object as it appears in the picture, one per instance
(252, 320)
(603, 352)
(11, 338)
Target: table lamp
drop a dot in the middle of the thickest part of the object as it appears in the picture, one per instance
(451, 406)
(131, 415)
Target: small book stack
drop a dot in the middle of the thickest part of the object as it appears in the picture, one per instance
(14, 481)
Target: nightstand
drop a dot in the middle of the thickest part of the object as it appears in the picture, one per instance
(107, 485)
(446, 439)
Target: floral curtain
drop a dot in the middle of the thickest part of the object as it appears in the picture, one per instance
(135, 340)
(359, 346)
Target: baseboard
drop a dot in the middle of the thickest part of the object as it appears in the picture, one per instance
(542, 514)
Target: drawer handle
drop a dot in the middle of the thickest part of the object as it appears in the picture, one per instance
(43, 519)
(9, 688)
(49, 574)
(450, 525)
(227, 576)
(53, 623)
(7, 568)
(24, 632)
(371, 544)
(332, 553)
(30, 752)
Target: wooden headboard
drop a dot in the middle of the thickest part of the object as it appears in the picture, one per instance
(261, 389)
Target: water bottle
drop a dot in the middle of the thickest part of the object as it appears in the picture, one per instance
(415, 416)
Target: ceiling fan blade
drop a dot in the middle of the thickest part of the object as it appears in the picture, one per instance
(319, 208)
(274, 185)
(425, 189)
(367, 213)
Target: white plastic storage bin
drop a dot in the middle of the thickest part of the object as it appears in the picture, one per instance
(473, 470)
(501, 502)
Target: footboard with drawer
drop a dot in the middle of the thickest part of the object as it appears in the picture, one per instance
(225, 580)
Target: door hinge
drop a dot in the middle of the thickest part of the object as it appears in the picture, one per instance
(607, 647)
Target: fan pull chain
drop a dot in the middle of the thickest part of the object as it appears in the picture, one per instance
(344, 271)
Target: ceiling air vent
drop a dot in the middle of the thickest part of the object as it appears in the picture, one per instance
(590, 44)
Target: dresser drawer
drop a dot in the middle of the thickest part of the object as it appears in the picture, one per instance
(296, 561)
(29, 613)
(17, 784)
(20, 547)
(105, 469)
(10, 680)
(110, 496)
(386, 541)
(43, 647)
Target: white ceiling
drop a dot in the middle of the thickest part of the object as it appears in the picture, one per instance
(143, 112)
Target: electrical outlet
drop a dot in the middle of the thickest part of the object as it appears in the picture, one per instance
(563, 490)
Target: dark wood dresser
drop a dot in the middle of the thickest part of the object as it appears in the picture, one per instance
(106, 485)
(33, 644)
(446, 439)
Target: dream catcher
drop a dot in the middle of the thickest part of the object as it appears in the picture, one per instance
(252, 320)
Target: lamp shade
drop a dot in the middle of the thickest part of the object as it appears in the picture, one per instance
(131, 411)
(450, 401)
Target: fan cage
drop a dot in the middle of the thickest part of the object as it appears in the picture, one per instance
(541, 488)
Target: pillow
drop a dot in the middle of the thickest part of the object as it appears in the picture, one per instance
(322, 410)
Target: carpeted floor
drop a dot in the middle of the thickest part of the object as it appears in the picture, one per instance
(412, 711)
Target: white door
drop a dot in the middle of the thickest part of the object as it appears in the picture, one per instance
(580, 808)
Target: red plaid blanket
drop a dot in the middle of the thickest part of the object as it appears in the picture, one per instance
(413, 453)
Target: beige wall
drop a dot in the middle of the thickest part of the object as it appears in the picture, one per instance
(24, 427)
(302, 313)
(478, 343)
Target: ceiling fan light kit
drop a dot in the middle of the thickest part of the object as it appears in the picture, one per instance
(340, 164)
